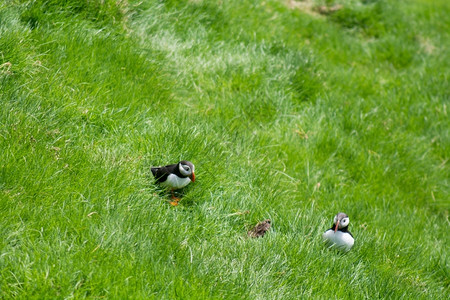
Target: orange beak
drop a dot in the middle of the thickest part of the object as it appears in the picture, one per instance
(192, 177)
(337, 225)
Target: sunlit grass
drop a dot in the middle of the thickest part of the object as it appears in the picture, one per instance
(287, 114)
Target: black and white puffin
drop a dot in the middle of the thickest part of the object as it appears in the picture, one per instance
(175, 176)
(338, 235)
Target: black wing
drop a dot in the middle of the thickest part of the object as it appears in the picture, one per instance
(161, 173)
(345, 229)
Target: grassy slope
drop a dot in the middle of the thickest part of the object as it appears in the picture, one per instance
(268, 101)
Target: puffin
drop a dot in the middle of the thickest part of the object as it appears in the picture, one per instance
(338, 235)
(175, 176)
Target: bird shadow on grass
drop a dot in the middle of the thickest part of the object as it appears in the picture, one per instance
(187, 201)
(166, 195)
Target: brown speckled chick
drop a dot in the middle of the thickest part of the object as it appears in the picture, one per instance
(260, 229)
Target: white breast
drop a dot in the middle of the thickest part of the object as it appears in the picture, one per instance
(175, 182)
(339, 239)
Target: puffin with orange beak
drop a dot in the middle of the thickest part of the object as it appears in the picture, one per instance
(174, 176)
(338, 235)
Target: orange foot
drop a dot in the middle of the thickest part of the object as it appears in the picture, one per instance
(174, 202)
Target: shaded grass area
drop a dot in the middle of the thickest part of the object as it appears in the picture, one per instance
(287, 115)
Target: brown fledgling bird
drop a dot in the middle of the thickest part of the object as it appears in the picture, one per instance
(260, 229)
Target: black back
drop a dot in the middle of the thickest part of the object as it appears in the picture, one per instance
(161, 173)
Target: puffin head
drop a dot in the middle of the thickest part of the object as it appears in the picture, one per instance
(187, 169)
(341, 220)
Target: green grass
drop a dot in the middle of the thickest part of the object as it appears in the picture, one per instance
(287, 114)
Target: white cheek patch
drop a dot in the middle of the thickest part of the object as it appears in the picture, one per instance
(183, 171)
(344, 222)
